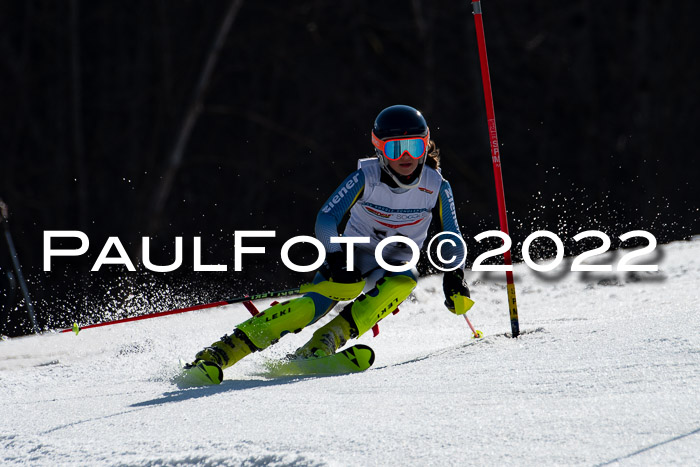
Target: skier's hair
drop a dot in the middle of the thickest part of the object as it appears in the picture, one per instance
(433, 159)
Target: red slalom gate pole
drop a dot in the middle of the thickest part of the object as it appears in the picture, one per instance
(496, 158)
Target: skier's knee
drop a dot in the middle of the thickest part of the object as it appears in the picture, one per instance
(368, 309)
(268, 326)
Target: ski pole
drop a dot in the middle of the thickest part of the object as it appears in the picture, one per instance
(496, 158)
(462, 304)
(477, 333)
(18, 270)
(230, 301)
(334, 290)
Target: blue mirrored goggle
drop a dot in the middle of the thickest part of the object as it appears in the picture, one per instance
(415, 147)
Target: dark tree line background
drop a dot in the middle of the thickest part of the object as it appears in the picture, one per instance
(596, 104)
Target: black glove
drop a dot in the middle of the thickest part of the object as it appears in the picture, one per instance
(453, 283)
(338, 271)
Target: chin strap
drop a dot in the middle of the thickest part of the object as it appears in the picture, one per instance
(397, 178)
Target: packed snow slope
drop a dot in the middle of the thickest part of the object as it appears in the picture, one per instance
(607, 371)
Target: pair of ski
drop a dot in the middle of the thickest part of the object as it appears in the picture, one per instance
(351, 360)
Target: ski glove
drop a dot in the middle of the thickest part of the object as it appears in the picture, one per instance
(338, 270)
(453, 284)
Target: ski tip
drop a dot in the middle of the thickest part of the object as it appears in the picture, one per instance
(366, 347)
(213, 372)
(201, 374)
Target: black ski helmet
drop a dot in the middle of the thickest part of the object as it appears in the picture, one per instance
(400, 121)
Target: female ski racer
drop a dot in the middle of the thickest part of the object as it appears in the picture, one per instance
(396, 193)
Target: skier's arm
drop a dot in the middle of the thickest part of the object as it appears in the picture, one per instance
(336, 208)
(448, 222)
(453, 283)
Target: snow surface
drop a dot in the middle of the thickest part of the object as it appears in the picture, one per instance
(607, 370)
